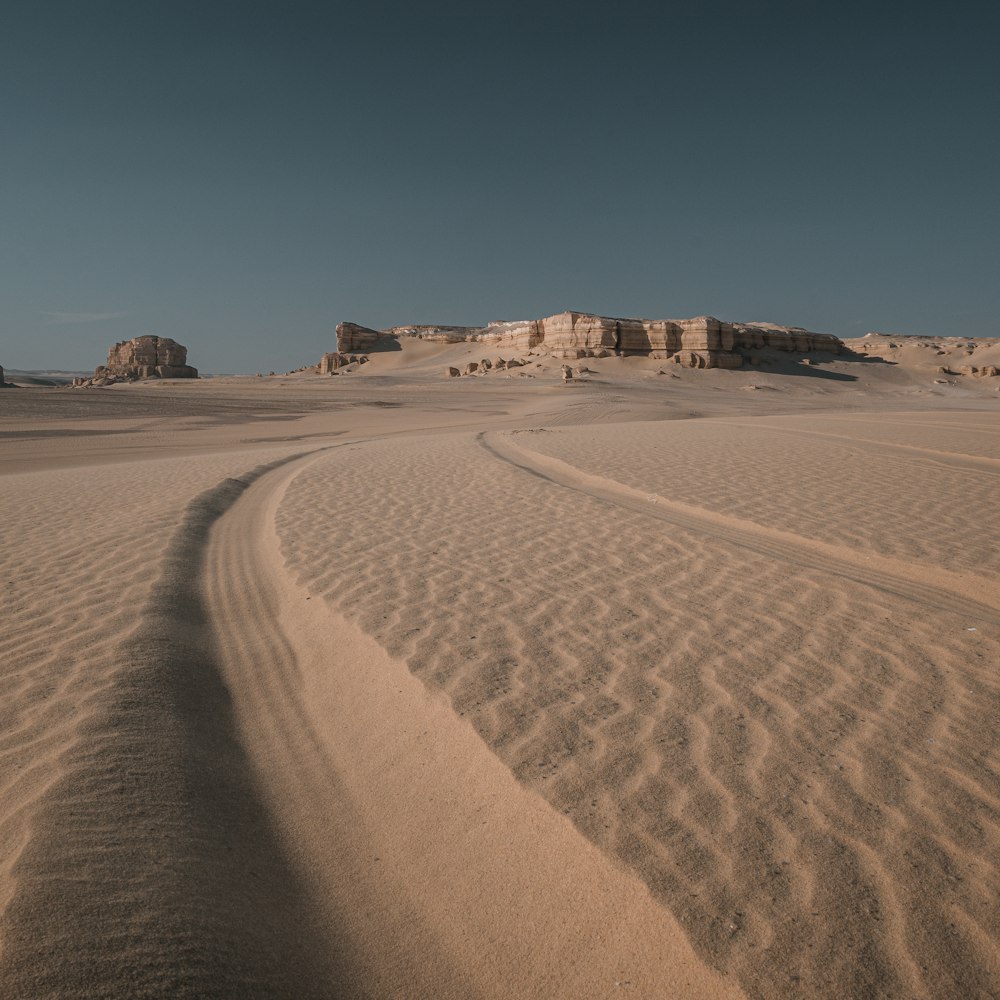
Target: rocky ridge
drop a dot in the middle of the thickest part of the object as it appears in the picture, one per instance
(701, 342)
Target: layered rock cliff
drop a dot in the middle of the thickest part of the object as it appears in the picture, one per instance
(354, 339)
(702, 342)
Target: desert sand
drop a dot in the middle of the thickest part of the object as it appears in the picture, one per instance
(658, 683)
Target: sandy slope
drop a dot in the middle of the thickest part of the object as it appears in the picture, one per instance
(689, 678)
(791, 743)
(404, 824)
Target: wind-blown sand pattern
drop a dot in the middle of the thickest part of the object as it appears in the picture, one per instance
(503, 688)
(786, 480)
(120, 788)
(798, 763)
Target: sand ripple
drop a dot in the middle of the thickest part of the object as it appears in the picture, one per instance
(843, 481)
(799, 763)
(128, 803)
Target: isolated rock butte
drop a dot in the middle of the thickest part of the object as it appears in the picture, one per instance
(147, 357)
(702, 342)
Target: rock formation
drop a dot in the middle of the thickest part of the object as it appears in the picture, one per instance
(3, 384)
(354, 338)
(702, 342)
(146, 357)
(329, 364)
(496, 366)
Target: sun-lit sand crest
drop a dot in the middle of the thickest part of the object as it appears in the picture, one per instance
(378, 686)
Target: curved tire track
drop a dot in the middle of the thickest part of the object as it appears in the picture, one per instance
(885, 575)
(153, 870)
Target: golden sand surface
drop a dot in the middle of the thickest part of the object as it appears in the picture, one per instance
(386, 685)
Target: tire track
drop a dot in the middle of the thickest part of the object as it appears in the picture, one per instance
(981, 464)
(431, 867)
(961, 594)
(153, 869)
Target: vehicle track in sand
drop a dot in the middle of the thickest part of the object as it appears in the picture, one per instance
(973, 596)
(432, 870)
(153, 868)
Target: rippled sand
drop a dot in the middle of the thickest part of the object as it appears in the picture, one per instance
(402, 688)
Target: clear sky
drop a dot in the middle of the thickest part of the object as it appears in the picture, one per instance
(242, 176)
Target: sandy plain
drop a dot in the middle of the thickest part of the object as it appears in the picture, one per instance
(388, 685)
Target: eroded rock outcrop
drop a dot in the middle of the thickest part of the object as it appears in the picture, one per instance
(331, 363)
(141, 358)
(352, 338)
(147, 357)
(701, 342)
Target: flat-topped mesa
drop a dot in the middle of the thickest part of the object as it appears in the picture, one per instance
(147, 357)
(701, 342)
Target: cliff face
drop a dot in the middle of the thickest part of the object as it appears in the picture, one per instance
(702, 342)
(352, 338)
(147, 357)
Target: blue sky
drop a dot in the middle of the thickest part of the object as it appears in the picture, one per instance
(242, 176)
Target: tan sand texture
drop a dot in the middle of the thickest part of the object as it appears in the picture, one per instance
(405, 823)
(795, 751)
(140, 857)
(388, 687)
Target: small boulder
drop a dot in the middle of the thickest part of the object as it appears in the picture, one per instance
(452, 373)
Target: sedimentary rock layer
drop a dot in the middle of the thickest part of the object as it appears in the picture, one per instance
(701, 342)
(147, 357)
(352, 338)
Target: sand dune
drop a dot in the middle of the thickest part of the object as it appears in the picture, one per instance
(506, 689)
